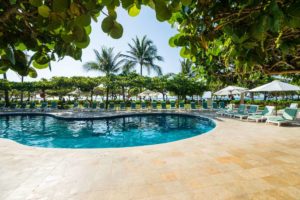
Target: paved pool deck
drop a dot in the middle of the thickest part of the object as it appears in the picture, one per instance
(236, 160)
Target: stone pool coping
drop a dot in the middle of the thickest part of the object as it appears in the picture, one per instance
(236, 160)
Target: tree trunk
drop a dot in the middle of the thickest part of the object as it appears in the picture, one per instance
(123, 92)
(6, 92)
(22, 92)
(107, 93)
(44, 93)
(265, 96)
(92, 93)
(28, 97)
(141, 69)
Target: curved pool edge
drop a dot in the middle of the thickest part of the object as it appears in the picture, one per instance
(116, 114)
(91, 116)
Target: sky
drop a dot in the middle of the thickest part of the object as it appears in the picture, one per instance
(143, 24)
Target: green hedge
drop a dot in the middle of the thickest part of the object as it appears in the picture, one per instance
(262, 103)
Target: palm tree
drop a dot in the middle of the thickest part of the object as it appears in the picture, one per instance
(187, 68)
(143, 53)
(107, 63)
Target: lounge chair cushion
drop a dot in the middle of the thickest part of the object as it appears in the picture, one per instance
(255, 117)
(277, 119)
(290, 113)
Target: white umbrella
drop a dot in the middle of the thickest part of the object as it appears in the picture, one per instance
(75, 92)
(230, 90)
(146, 93)
(276, 86)
(155, 94)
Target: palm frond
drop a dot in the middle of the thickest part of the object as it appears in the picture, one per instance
(143, 52)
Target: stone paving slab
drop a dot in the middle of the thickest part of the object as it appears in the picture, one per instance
(237, 160)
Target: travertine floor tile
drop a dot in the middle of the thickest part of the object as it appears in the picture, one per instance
(237, 160)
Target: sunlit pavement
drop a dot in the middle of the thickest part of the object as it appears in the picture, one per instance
(237, 160)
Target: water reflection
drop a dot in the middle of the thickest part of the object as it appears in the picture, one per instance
(116, 132)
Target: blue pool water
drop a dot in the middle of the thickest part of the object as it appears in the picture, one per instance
(127, 131)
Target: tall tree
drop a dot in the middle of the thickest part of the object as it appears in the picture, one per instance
(143, 53)
(6, 92)
(251, 35)
(106, 62)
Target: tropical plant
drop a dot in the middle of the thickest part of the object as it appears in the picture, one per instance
(255, 35)
(143, 53)
(251, 35)
(22, 87)
(86, 84)
(106, 62)
(54, 29)
(60, 86)
(187, 67)
(159, 84)
(44, 85)
(6, 90)
(182, 85)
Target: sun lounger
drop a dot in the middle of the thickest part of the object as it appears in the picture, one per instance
(181, 105)
(222, 105)
(172, 105)
(86, 106)
(193, 106)
(252, 110)
(133, 106)
(204, 105)
(288, 116)
(94, 106)
(23, 106)
(32, 106)
(43, 106)
(240, 110)
(112, 107)
(102, 106)
(268, 111)
(153, 106)
(226, 110)
(53, 106)
(143, 106)
(122, 106)
(215, 106)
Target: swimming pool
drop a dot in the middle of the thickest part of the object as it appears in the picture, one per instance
(116, 132)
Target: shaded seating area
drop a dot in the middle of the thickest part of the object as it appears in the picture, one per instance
(262, 116)
(252, 110)
(239, 111)
(288, 116)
